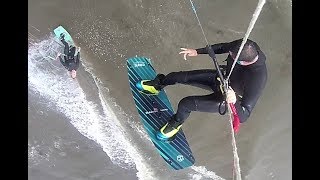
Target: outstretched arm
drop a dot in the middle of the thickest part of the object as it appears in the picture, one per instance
(220, 48)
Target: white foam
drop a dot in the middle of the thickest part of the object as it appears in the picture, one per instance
(201, 171)
(51, 81)
(32, 153)
(35, 157)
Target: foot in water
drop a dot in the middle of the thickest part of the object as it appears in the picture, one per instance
(62, 36)
(151, 87)
(169, 131)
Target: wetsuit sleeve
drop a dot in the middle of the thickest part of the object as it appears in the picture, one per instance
(242, 111)
(220, 48)
(250, 97)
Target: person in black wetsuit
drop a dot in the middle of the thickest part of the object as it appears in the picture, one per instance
(247, 80)
(70, 61)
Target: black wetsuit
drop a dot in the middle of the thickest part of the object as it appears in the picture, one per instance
(248, 82)
(69, 61)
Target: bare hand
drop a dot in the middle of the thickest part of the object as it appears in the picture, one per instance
(188, 52)
(231, 96)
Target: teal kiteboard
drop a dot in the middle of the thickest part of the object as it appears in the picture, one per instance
(57, 31)
(154, 112)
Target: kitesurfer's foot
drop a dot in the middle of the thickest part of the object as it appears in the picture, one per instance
(169, 130)
(62, 36)
(151, 87)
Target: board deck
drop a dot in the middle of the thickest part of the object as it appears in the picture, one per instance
(57, 31)
(154, 112)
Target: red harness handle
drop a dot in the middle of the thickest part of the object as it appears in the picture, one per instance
(236, 119)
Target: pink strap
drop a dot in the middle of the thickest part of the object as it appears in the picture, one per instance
(236, 119)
